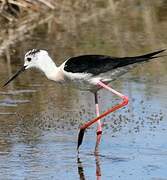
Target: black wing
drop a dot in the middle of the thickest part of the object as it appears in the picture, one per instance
(93, 64)
(96, 64)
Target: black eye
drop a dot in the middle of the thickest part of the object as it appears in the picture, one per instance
(29, 59)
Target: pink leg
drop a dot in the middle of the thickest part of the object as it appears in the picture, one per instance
(99, 126)
(116, 107)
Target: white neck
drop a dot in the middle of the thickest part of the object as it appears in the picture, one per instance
(48, 67)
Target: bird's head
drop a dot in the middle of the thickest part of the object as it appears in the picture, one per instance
(34, 58)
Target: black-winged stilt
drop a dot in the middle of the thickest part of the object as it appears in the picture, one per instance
(88, 72)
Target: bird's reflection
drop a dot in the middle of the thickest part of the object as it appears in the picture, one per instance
(98, 170)
(81, 169)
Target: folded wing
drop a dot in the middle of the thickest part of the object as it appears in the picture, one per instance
(96, 64)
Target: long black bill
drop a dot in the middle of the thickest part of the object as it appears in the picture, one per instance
(80, 137)
(15, 75)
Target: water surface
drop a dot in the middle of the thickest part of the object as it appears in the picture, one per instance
(39, 120)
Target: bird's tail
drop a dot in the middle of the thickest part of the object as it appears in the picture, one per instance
(137, 59)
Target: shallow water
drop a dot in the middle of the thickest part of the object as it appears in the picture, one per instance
(39, 120)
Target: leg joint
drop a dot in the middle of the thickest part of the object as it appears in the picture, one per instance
(99, 132)
(125, 100)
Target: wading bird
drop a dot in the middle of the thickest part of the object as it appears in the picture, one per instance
(87, 72)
